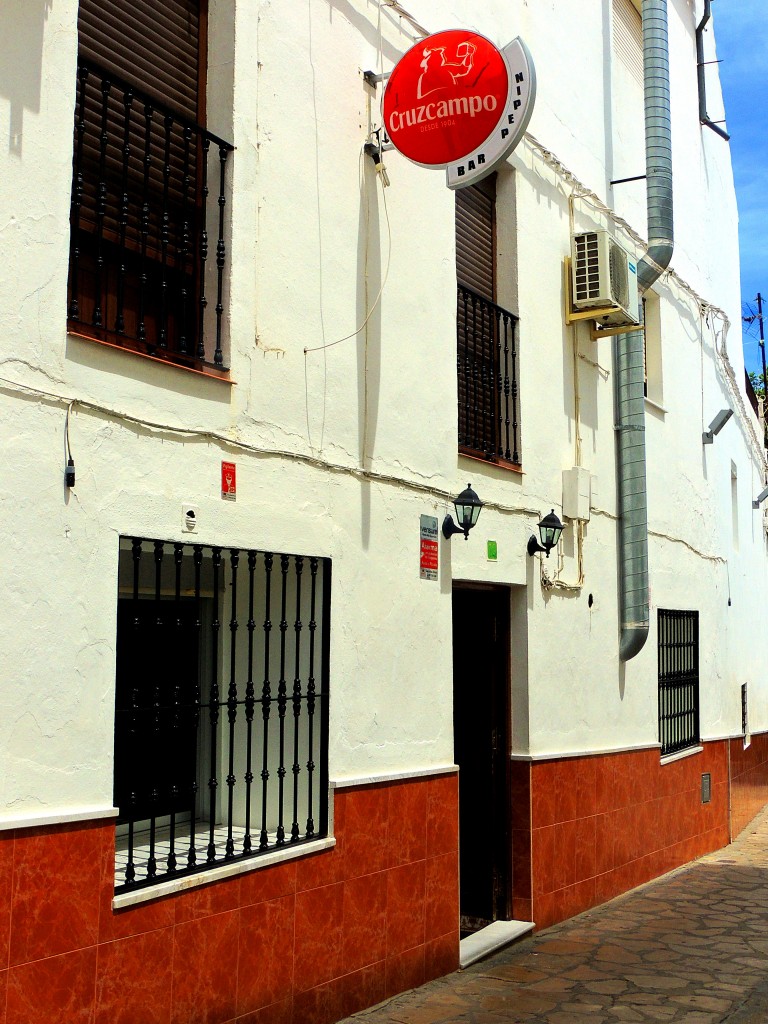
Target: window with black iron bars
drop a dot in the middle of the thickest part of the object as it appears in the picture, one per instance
(148, 250)
(678, 680)
(221, 724)
(486, 335)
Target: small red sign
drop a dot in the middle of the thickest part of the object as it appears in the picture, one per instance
(428, 556)
(445, 96)
(228, 481)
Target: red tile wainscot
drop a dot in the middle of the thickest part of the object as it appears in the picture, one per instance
(749, 780)
(307, 941)
(604, 824)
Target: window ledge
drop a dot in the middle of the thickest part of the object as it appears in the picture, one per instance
(688, 752)
(59, 816)
(512, 467)
(210, 372)
(656, 406)
(229, 870)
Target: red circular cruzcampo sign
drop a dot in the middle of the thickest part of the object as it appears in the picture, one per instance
(457, 101)
(445, 96)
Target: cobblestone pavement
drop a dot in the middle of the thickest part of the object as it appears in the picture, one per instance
(691, 947)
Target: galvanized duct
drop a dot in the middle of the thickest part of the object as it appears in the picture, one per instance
(628, 353)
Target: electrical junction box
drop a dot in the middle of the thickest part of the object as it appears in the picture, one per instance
(577, 493)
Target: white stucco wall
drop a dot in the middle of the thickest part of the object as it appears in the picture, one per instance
(340, 451)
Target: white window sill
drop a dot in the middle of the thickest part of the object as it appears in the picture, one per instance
(656, 406)
(688, 752)
(228, 869)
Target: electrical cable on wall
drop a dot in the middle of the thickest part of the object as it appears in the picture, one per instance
(381, 175)
(238, 445)
(395, 6)
(69, 462)
(730, 376)
(582, 192)
(554, 582)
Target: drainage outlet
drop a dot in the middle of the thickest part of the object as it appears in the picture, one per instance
(706, 787)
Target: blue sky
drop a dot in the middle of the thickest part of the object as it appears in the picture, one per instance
(741, 33)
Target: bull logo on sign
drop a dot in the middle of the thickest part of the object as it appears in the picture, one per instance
(440, 73)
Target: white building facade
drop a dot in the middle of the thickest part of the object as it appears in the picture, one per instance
(258, 762)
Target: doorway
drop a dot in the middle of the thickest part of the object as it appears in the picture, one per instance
(481, 711)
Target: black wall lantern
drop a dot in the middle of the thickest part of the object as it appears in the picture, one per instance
(550, 529)
(467, 507)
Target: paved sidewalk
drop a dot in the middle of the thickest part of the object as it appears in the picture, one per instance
(691, 947)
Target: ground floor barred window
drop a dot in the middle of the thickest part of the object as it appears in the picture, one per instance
(678, 680)
(221, 715)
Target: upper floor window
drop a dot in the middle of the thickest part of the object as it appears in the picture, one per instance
(627, 136)
(654, 380)
(487, 364)
(148, 252)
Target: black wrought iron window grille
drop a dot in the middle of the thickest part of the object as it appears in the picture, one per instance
(487, 365)
(745, 715)
(678, 680)
(221, 723)
(148, 250)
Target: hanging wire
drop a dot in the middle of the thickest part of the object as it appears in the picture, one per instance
(363, 325)
(553, 582)
(69, 462)
(67, 445)
(751, 317)
(395, 6)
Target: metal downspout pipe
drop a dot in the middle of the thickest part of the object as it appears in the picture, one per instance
(628, 351)
(701, 74)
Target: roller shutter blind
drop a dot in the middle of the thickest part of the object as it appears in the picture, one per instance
(628, 37)
(476, 237)
(155, 46)
(477, 335)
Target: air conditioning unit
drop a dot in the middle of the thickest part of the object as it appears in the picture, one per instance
(604, 279)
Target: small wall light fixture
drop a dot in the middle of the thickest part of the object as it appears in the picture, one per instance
(716, 425)
(550, 529)
(760, 498)
(467, 507)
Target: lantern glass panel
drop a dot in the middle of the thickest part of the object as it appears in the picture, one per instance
(467, 507)
(550, 529)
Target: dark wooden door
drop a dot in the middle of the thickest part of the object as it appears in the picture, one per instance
(481, 747)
